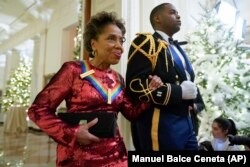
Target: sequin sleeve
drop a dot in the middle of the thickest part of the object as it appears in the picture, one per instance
(42, 111)
(131, 109)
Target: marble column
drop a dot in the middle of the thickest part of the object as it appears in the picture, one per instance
(37, 76)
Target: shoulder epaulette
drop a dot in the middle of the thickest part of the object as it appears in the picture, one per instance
(153, 52)
(143, 33)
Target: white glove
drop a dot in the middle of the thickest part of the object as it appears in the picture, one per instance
(189, 90)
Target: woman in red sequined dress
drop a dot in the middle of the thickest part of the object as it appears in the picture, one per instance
(103, 39)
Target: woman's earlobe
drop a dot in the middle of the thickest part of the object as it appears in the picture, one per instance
(92, 44)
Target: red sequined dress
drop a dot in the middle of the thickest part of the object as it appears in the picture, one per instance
(81, 96)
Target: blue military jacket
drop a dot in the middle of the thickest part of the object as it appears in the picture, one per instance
(149, 55)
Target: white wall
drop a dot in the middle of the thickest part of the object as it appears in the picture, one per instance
(2, 70)
(64, 15)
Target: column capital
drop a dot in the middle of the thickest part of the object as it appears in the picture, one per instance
(36, 38)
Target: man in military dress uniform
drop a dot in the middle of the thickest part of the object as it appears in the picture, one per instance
(167, 124)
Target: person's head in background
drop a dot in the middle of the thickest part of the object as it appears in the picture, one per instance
(222, 127)
(165, 18)
(103, 39)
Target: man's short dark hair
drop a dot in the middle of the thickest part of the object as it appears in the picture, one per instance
(156, 11)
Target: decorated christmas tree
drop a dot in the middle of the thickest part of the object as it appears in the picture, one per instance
(17, 92)
(222, 70)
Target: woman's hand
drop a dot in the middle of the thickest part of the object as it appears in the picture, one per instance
(155, 82)
(83, 136)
